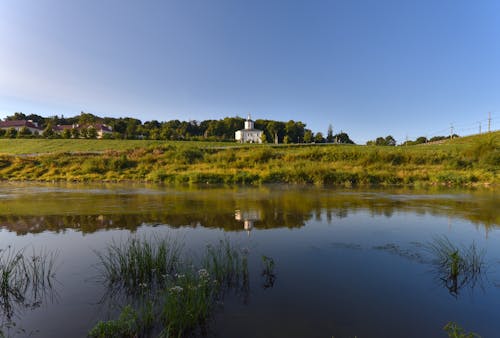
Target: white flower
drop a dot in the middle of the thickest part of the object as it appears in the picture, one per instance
(176, 289)
(203, 273)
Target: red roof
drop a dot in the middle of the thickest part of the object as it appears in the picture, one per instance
(102, 127)
(18, 123)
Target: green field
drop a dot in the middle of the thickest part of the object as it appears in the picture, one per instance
(44, 146)
(464, 161)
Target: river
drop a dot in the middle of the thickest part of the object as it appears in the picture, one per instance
(346, 262)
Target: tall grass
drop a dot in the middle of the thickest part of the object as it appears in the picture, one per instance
(139, 263)
(180, 294)
(26, 279)
(457, 267)
(476, 161)
(455, 331)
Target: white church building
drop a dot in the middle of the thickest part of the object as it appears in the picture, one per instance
(249, 134)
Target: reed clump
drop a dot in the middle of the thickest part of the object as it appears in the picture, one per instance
(455, 331)
(138, 263)
(179, 294)
(25, 280)
(457, 266)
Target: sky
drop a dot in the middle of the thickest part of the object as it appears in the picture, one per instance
(367, 67)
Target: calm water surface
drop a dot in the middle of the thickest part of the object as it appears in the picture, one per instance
(348, 262)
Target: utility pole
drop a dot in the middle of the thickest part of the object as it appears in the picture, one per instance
(489, 122)
(479, 127)
(451, 131)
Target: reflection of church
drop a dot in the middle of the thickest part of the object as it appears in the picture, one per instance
(248, 217)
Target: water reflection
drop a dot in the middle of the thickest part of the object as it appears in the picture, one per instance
(248, 217)
(27, 281)
(40, 209)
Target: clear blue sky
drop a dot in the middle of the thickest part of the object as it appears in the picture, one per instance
(370, 68)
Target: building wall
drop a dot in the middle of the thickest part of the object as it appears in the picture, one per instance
(248, 136)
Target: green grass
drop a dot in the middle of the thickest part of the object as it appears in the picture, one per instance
(138, 264)
(474, 161)
(44, 146)
(457, 267)
(175, 297)
(455, 331)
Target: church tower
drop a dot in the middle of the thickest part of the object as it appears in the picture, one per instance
(249, 123)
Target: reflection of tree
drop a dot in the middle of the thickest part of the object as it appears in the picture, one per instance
(214, 208)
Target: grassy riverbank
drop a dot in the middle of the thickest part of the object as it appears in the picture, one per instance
(464, 161)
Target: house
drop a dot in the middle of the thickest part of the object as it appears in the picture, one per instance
(249, 134)
(20, 124)
(101, 129)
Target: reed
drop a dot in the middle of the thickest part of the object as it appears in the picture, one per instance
(184, 299)
(455, 331)
(457, 267)
(139, 263)
(25, 281)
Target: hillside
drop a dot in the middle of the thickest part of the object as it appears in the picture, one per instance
(465, 161)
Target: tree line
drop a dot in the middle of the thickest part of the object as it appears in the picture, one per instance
(390, 141)
(207, 130)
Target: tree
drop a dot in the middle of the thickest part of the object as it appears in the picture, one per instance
(83, 132)
(380, 141)
(421, 139)
(308, 136)
(11, 133)
(48, 132)
(87, 118)
(318, 138)
(24, 132)
(343, 138)
(66, 133)
(294, 131)
(16, 117)
(75, 133)
(390, 141)
(329, 135)
(91, 132)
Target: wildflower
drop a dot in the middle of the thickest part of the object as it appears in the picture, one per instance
(203, 273)
(176, 289)
(143, 285)
(179, 275)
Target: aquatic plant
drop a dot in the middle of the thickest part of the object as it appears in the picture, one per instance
(226, 264)
(457, 267)
(268, 272)
(181, 298)
(455, 331)
(188, 303)
(25, 281)
(130, 323)
(138, 263)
